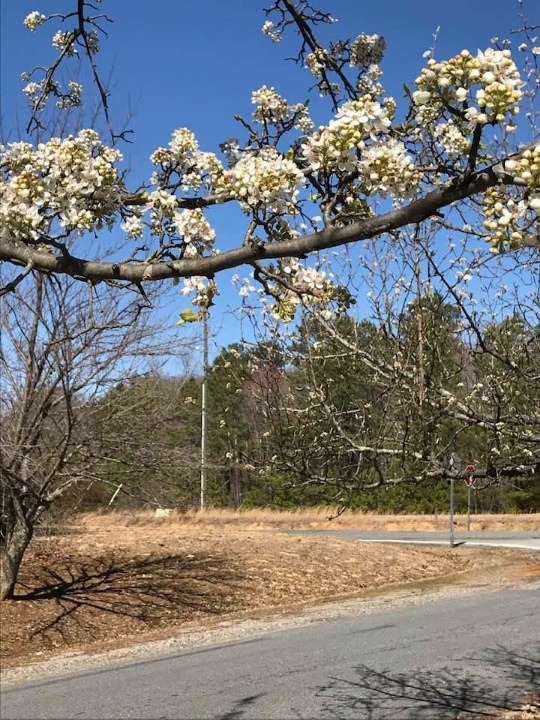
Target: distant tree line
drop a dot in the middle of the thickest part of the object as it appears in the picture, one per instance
(348, 413)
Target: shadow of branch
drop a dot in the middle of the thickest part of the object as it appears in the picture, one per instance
(444, 695)
(241, 707)
(146, 589)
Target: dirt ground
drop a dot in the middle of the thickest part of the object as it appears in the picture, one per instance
(108, 583)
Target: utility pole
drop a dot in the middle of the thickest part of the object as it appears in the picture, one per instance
(204, 408)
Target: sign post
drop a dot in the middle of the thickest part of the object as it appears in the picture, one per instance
(469, 481)
(452, 512)
(454, 465)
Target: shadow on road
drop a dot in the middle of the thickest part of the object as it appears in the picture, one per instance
(242, 707)
(147, 589)
(435, 695)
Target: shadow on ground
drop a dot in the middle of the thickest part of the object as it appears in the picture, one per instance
(151, 590)
(501, 682)
(504, 681)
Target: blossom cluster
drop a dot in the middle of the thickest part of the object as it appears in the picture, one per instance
(526, 168)
(307, 279)
(317, 61)
(192, 225)
(263, 179)
(63, 41)
(183, 157)
(92, 41)
(302, 121)
(72, 98)
(34, 19)
(368, 82)
(163, 206)
(388, 170)
(335, 147)
(195, 230)
(367, 50)
(202, 289)
(72, 182)
(505, 216)
(451, 138)
(268, 28)
(34, 92)
(133, 226)
(271, 107)
(452, 82)
(303, 281)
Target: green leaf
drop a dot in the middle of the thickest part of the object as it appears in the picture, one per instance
(188, 316)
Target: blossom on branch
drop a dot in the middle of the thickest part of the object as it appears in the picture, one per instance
(183, 158)
(263, 179)
(507, 218)
(388, 170)
(283, 173)
(71, 183)
(34, 19)
(195, 230)
(367, 50)
(334, 147)
(451, 83)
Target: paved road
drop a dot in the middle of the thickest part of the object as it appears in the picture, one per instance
(429, 661)
(525, 540)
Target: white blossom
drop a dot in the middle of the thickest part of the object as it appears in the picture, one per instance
(133, 226)
(495, 73)
(335, 147)
(72, 182)
(34, 20)
(263, 179)
(194, 227)
(271, 107)
(367, 50)
(268, 29)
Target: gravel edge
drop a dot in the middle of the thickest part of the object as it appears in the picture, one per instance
(235, 630)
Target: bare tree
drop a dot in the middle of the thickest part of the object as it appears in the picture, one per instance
(157, 462)
(64, 345)
(443, 361)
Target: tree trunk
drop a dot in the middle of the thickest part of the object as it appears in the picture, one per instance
(12, 556)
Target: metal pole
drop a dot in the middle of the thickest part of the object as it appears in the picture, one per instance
(469, 488)
(204, 401)
(451, 512)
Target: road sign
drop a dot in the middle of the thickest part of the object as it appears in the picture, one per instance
(470, 479)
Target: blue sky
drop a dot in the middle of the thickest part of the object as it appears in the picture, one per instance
(189, 63)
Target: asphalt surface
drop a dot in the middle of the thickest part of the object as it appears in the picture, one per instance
(433, 660)
(511, 539)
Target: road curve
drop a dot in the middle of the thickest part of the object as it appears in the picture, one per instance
(431, 661)
(509, 539)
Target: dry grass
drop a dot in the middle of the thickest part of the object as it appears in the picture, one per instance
(529, 711)
(308, 518)
(120, 579)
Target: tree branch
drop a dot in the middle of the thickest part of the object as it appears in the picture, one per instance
(415, 212)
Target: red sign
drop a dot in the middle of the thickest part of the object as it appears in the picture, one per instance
(470, 479)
